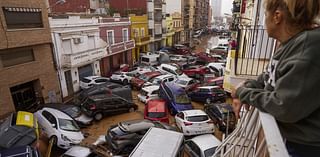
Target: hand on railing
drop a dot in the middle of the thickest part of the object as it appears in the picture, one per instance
(236, 103)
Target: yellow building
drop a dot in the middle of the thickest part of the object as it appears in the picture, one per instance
(169, 31)
(139, 32)
(177, 28)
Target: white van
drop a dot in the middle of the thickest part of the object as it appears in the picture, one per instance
(150, 59)
(159, 143)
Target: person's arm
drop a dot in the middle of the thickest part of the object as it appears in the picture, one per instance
(295, 95)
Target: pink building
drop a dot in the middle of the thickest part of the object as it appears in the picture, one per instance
(116, 32)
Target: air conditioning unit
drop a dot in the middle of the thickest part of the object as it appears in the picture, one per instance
(77, 40)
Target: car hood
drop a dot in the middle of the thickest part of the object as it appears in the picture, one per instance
(84, 119)
(75, 137)
(182, 107)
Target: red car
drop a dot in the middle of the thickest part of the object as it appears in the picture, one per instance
(217, 81)
(138, 82)
(182, 49)
(156, 110)
(196, 71)
(206, 58)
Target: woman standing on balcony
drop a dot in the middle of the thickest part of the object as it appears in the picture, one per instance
(289, 90)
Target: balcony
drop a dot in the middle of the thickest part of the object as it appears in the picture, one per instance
(120, 47)
(158, 36)
(158, 4)
(257, 135)
(142, 40)
(82, 58)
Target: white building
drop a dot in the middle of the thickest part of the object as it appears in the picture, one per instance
(216, 8)
(157, 22)
(77, 50)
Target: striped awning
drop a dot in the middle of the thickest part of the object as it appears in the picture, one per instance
(21, 9)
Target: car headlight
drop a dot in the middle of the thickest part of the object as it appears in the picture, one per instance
(65, 138)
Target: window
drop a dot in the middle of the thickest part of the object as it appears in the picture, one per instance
(49, 117)
(136, 32)
(142, 32)
(91, 42)
(23, 17)
(16, 56)
(151, 31)
(66, 46)
(150, 15)
(125, 34)
(110, 37)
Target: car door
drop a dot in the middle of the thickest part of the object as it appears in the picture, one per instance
(49, 123)
(192, 149)
(119, 106)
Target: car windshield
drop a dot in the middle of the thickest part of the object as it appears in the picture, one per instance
(156, 114)
(179, 72)
(85, 80)
(143, 77)
(73, 111)
(156, 81)
(200, 118)
(182, 82)
(68, 125)
(209, 152)
(182, 99)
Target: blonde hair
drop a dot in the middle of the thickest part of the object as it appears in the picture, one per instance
(299, 13)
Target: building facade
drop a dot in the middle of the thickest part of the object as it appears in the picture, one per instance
(156, 22)
(201, 14)
(78, 50)
(78, 6)
(177, 28)
(116, 32)
(140, 34)
(27, 68)
(169, 31)
(216, 8)
(127, 7)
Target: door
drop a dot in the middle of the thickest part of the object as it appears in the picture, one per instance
(24, 96)
(85, 71)
(68, 77)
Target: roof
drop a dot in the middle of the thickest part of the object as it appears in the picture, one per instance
(164, 76)
(156, 106)
(208, 87)
(151, 88)
(193, 112)
(57, 113)
(206, 141)
(152, 73)
(174, 87)
(136, 125)
(185, 79)
(78, 151)
(168, 66)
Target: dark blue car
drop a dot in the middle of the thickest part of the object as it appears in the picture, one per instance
(208, 94)
(175, 97)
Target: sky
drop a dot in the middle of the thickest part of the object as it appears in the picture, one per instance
(226, 6)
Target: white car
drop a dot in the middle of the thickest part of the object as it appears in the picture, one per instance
(122, 77)
(172, 70)
(178, 58)
(60, 127)
(78, 151)
(159, 79)
(141, 70)
(149, 93)
(202, 146)
(89, 81)
(186, 83)
(217, 68)
(194, 122)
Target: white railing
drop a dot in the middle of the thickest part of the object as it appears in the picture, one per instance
(257, 135)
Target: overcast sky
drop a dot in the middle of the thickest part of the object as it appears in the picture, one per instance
(226, 6)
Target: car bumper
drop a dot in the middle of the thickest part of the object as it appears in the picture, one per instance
(188, 131)
(66, 144)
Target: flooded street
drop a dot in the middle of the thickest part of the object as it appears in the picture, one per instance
(207, 41)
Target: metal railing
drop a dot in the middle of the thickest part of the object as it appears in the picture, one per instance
(257, 135)
(254, 51)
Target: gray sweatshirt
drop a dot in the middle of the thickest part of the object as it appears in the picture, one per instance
(290, 89)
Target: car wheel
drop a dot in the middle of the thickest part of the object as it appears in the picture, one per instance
(125, 82)
(208, 101)
(131, 109)
(54, 140)
(98, 116)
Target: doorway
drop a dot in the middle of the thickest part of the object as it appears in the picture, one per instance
(68, 77)
(24, 96)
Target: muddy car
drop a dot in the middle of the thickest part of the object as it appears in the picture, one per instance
(122, 138)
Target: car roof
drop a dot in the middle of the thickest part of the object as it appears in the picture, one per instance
(206, 141)
(78, 151)
(193, 112)
(136, 125)
(185, 78)
(156, 106)
(174, 88)
(57, 113)
(164, 76)
(151, 88)
(92, 77)
(169, 66)
(208, 87)
(152, 73)
(99, 97)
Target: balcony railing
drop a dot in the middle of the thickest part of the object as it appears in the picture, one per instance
(140, 40)
(254, 51)
(256, 135)
(82, 58)
(123, 46)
